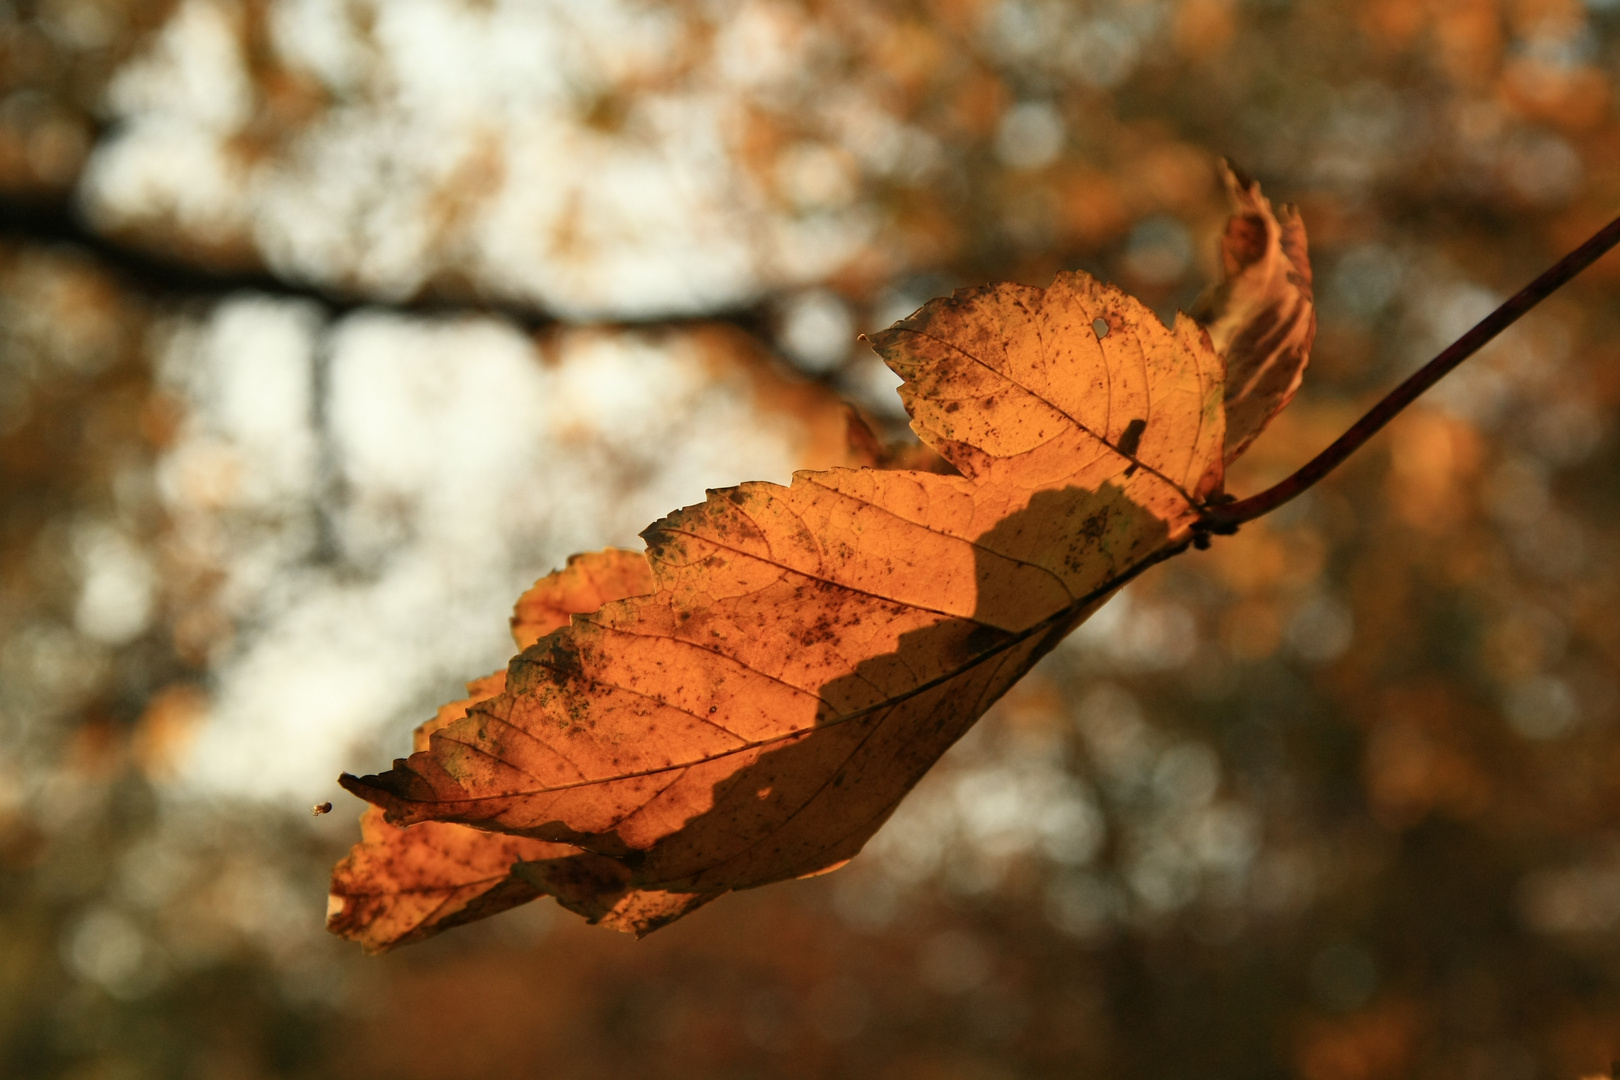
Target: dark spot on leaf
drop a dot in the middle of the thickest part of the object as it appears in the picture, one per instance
(563, 663)
(1132, 438)
(982, 639)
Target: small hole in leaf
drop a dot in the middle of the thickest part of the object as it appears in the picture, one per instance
(1099, 326)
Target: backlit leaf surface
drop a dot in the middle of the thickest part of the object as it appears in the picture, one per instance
(401, 885)
(795, 658)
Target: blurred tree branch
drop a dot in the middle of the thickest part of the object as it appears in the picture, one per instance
(57, 221)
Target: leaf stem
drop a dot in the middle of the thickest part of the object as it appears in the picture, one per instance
(1224, 518)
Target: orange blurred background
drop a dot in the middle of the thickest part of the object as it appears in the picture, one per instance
(326, 326)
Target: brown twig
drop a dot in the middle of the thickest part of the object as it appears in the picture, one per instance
(1224, 518)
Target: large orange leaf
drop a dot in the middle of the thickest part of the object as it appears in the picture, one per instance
(801, 655)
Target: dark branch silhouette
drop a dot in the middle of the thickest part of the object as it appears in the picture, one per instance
(151, 272)
(146, 271)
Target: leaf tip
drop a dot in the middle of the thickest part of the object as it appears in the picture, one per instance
(1236, 177)
(393, 791)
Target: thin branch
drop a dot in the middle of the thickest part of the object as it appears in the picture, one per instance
(147, 270)
(1224, 518)
(164, 275)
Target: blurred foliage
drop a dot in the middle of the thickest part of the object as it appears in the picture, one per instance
(1337, 799)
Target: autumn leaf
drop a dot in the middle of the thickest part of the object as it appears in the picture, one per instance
(1261, 318)
(583, 586)
(865, 448)
(401, 885)
(799, 656)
